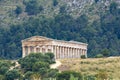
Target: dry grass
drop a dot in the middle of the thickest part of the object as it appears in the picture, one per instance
(93, 65)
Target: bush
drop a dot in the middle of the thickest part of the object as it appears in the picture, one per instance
(13, 74)
(18, 10)
(33, 7)
(99, 56)
(65, 75)
(102, 75)
(83, 56)
(55, 2)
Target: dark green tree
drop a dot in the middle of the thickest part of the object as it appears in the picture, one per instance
(96, 1)
(113, 8)
(13, 74)
(33, 7)
(18, 10)
(55, 2)
(66, 75)
(105, 52)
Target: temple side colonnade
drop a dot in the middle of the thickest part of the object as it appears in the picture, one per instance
(61, 49)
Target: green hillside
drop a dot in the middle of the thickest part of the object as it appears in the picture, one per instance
(95, 22)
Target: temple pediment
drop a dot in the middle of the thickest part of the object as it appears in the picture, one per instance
(36, 38)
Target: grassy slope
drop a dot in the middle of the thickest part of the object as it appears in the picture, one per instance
(92, 66)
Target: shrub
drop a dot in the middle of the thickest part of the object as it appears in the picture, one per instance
(99, 56)
(102, 75)
(18, 10)
(83, 56)
(13, 74)
(65, 75)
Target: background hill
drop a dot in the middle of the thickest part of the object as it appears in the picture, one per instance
(95, 22)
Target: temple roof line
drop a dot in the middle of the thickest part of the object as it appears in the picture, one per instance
(45, 38)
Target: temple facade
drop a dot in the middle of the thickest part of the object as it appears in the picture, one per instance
(61, 49)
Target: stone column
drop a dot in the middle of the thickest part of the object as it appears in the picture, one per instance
(23, 51)
(56, 52)
(65, 49)
(63, 54)
(66, 52)
(35, 50)
(75, 53)
(86, 53)
(70, 52)
(60, 56)
(40, 49)
(29, 50)
(80, 52)
(52, 48)
(59, 52)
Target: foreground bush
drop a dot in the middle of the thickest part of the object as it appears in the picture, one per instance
(67, 74)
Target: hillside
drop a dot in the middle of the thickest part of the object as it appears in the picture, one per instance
(95, 22)
(110, 66)
(51, 8)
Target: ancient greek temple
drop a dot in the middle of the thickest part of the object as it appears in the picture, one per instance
(61, 49)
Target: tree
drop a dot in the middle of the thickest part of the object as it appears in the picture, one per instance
(72, 77)
(13, 74)
(2, 77)
(3, 70)
(113, 8)
(96, 1)
(33, 7)
(18, 10)
(51, 55)
(41, 67)
(28, 74)
(55, 2)
(37, 63)
(62, 9)
(65, 75)
(35, 76)
(105, 52)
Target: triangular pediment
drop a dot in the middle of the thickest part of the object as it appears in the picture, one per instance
(36, 38)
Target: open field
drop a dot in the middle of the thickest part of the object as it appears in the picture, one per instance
(93, 65)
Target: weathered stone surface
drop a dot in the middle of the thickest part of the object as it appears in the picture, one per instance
(60, 48)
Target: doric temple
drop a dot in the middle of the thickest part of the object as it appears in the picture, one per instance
(61, 49)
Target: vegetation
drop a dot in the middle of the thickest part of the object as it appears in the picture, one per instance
(18, 10)
(37, 66)
(34, 66)
(67, 75)
(33, 7)
(93, 69)
(97, 24)
(101, 33)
